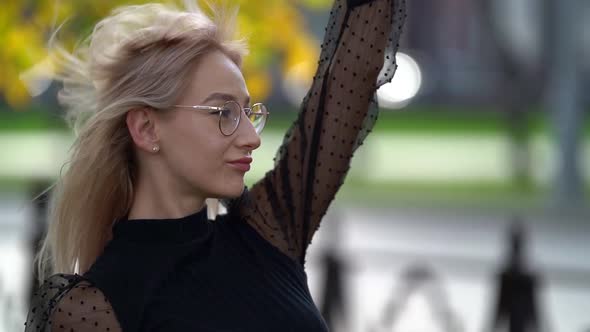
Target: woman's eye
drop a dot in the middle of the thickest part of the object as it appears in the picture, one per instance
(226, 113)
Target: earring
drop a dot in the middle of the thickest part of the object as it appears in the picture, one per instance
(155, 148)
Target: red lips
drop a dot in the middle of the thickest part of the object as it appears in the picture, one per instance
(242, 164)
(245, 160)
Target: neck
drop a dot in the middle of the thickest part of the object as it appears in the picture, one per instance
(155, 198)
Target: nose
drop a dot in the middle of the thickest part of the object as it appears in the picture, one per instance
(246, 137)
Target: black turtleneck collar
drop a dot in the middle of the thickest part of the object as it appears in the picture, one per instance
(163, 231)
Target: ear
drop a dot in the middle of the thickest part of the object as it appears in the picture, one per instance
(143, 127)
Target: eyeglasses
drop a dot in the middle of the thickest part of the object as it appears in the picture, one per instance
(230, 115)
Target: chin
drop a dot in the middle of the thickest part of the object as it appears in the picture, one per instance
(237, 192)
(233, 191)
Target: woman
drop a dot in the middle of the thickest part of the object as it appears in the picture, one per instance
(164, 126)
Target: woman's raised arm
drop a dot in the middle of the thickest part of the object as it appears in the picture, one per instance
(358, 55)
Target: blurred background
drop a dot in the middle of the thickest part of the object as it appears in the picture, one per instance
(466, 209)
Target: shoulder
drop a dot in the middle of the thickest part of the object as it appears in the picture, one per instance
(71, 302)
(47, 297)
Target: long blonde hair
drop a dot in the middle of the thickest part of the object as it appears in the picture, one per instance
(139, 56)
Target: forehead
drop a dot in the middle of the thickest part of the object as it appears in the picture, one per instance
(215, 73)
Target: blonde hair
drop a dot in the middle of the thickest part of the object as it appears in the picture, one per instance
(137, 57)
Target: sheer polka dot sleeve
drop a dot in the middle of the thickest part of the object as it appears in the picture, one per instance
(358, 56)
(70, 303)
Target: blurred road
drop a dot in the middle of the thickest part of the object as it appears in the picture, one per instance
(464, 249)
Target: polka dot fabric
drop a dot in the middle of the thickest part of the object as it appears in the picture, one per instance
(70, 303)
(339, 111)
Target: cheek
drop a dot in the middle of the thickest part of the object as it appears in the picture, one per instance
(203, 153)
(201, 161)
(194, 148)
(198, 159)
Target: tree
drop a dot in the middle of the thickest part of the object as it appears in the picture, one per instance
(274, 27)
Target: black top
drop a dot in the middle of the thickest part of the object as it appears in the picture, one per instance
(220, 276)
(243, 271)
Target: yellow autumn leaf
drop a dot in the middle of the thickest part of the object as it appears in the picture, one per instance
(302, 53)
(16, 94)
(259, 85)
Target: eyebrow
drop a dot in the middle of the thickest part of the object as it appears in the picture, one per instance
(224, 97)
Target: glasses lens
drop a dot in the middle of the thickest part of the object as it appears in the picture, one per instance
(229, 117)
(258, 117)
